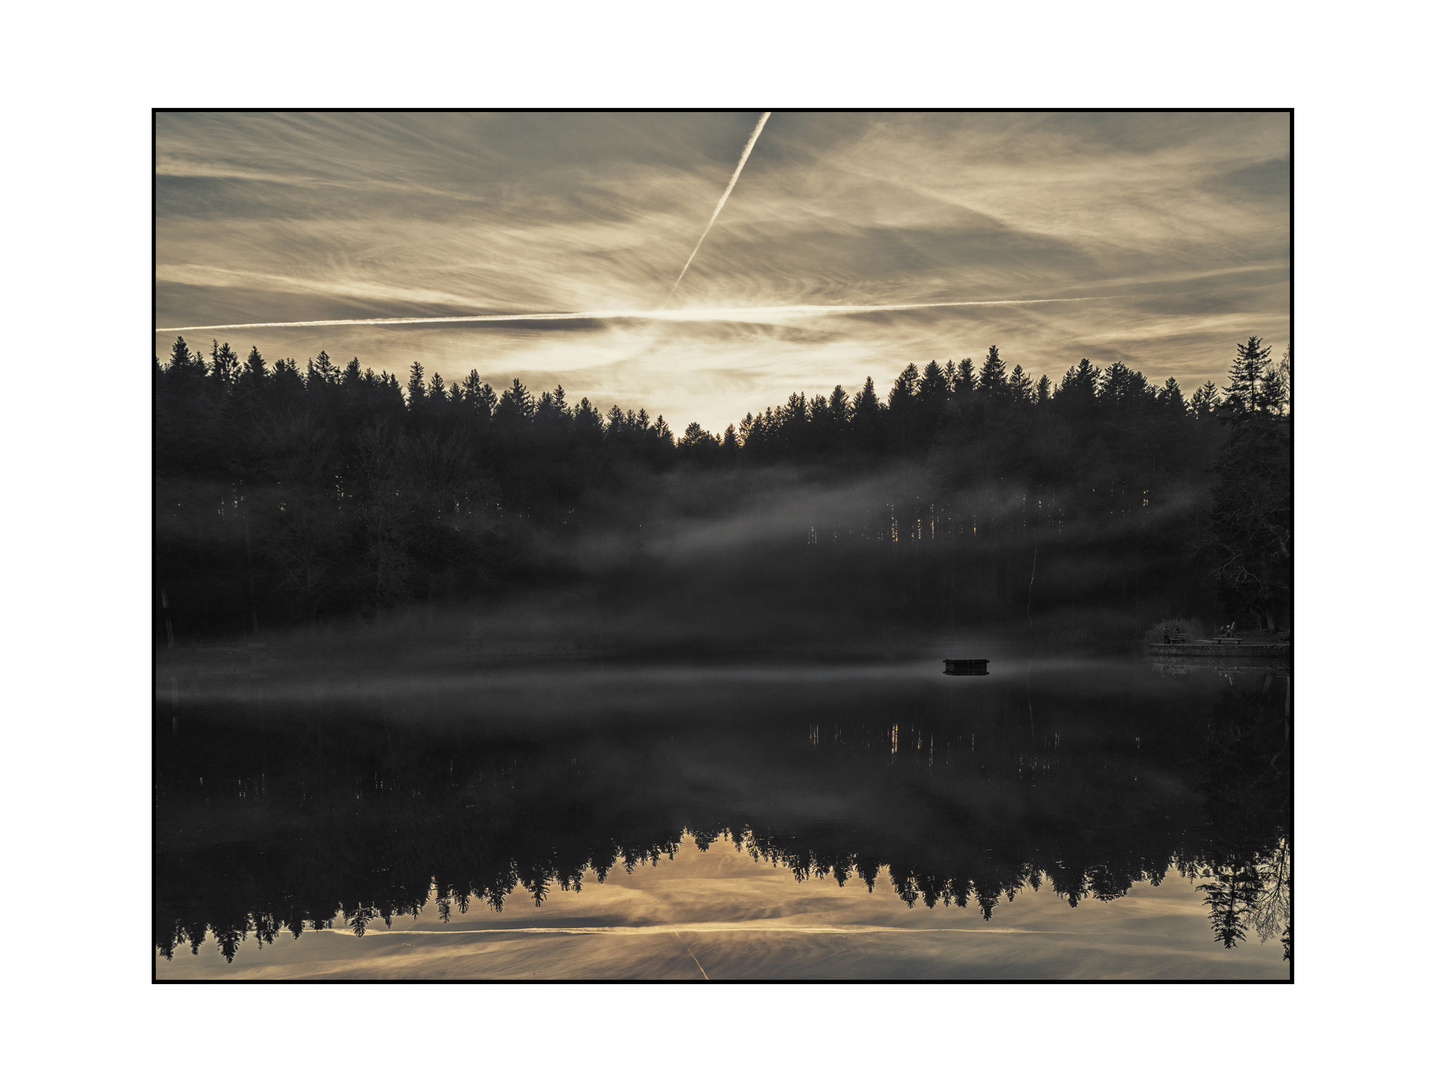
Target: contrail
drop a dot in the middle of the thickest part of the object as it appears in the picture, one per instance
(693, 957)
(724, 196)
(739, 314)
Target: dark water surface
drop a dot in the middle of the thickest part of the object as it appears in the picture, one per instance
(1053, 820)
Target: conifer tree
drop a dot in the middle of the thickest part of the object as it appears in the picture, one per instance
(323, 369)
(903, 391)
(180, 355)
(516, 405)
(1170, 398)
(694, 436)
(487, 402)
(866, 418)
(1019, 388)
(993, 373)
(224, 367)
(470, 388)
(1271, 397)
(1248, 370)
(255, 368)
(965, 378)
(1205, 400)
(1078, 384)
(932, 389)
(415, 388)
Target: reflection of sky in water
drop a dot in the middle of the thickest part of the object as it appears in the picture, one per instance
(725, 915)
(1099, 773)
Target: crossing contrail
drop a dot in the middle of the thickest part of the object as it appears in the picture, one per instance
(724, 196)
(737, 314)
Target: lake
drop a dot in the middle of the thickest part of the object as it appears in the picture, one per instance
(1059, 818)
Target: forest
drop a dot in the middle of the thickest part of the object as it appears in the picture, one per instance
(964, 495)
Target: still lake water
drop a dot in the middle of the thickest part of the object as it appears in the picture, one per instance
(1056, 819)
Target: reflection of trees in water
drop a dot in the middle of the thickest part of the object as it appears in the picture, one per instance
(1247, 777)
(273, 826)
(1256, 894)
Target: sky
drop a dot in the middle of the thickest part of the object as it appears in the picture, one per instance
(1157, 239)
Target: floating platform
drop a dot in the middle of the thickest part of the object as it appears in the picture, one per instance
(967, 667)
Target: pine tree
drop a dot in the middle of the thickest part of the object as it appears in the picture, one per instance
(965, 378)
(932, 389)
(1248, 370)
(255, 369)
(415, 388)
(324, 370)
(587, 417)
(180, 355)
(516, 405)
(1271, 397)
(993, 373)
(487, 402)
(695, 436)
(470, 392)
(866, 418)
(1078, 384)
(903, 391)
(1172, 403)
(1204, 401)
(1019, 388)
(224, 368)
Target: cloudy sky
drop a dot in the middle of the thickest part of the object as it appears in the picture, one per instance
(1157, 239)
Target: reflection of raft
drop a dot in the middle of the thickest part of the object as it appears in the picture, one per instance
(967, 667)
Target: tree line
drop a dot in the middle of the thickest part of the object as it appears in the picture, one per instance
(288, 495)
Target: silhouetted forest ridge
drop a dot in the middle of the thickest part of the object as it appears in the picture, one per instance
(272, 820)
(286, 496)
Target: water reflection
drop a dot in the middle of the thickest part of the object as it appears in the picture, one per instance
(276, 819)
